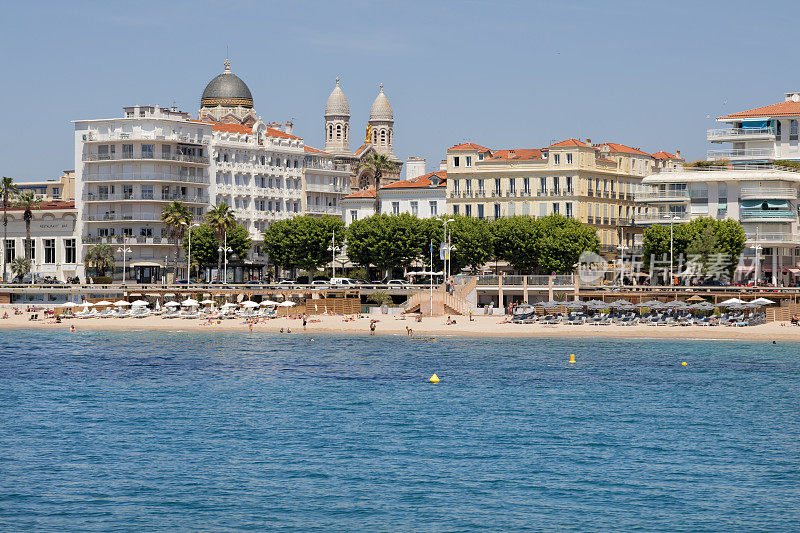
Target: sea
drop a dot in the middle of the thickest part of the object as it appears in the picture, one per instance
(215, 431)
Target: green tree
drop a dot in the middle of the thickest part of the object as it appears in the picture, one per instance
(303, 242)
(517, 240)
(28, 201)
(100, 257)
(433, 231)
(386, 241)
(731, 240)
(704, 241)
(562, 240)
(206, 245)
(221, 219)
(472, 240)
(20, 266)
(9, 191)
(177, 218)
(378, 164)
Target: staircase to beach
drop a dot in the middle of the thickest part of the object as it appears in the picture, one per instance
(440, 302)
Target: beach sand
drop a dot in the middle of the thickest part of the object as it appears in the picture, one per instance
(482, 326)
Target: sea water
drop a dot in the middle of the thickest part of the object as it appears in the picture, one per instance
(210, 431)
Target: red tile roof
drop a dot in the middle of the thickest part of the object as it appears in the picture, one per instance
(517, 154)
(468, 146)
(247, 130)
(366, 193)
(616, 147)
(312, 150)
(568, 142)
(781, 109)
(419, 181)
(666, 155)
(51, 205)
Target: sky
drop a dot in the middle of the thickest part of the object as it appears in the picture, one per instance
(504, 74)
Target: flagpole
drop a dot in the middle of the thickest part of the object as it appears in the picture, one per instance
(431, 278)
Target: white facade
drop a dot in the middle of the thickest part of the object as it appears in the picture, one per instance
(358, 206)
(415, 167)
(423, 197)
(324, 183)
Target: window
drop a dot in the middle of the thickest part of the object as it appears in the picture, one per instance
(526, 185)
(555, 209)
(455, 209)
(69, 251)
(338, 131)
(127, 232)
(512, 185)
(147, 192)
(468, 186)
(556, 159)
(165, 151)
(383, 136)
(497, 186)
(569, 184)
(569, 159)
(793, 130)
(480, 186)
(146, 232)
(353, 215)
(127, 192)
(56, 193)
(496, 211)
(33, 248)
(10, 250)
(455, 161)
(414, 209)
(147, 151)
(127, 151)
(542, 209)
(468, 210)
(49, 251)
(480, 210)
(555, 185)
(468, 162)
(455, 186)
(480, 157)
(568, 210)
(434, 207)
(395, 208)
(542, 185)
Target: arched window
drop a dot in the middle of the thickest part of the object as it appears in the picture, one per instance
(383, 136)
(793, 130)
(330, 131)
(389, 137)
(346, 127)
(374, 137)
(338, 131)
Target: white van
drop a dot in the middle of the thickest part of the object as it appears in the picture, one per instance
(343, 281)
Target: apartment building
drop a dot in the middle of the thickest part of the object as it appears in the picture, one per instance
(62, 188)
(593, 183)
(325, 182)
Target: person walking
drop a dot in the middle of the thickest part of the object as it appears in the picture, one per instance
(372, 327)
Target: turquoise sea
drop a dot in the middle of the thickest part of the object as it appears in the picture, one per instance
(153, 431)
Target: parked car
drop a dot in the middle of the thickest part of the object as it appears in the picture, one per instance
(320, 282)
(343, 281)
(397, 282)
(286, 282)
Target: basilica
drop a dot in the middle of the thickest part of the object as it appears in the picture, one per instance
(378, 138)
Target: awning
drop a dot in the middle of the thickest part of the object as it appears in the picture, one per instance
(794, 271)
(751, 204)
(755, 124)
(772, 204)
(760, 204)
(144, 264)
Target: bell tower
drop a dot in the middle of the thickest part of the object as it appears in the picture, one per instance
(337, 123)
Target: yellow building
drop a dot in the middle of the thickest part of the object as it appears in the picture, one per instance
(593, 183)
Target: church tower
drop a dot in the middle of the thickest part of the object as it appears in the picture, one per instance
(227, 98)
(337, 123)
(380, 127)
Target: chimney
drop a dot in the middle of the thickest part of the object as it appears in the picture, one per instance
(793, 96)
(678, 153)
(289, 127)
(443, 164)
(588, 141)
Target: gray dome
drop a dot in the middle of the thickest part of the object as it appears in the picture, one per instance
(381, 110)
(337, 103)
(227, 90)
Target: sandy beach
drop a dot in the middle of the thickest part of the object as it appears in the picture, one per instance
(429, 327)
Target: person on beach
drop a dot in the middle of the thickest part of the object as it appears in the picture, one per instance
(409, 331)
(72, 329)
(304, 321)
(372, 327)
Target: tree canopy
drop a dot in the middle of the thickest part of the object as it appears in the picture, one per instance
(205, 245)
(303, 241)
(386, 241)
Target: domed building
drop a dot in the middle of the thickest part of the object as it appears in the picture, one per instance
(378, 138)
(227, 99)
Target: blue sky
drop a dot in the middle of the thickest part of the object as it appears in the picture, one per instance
(503, 74)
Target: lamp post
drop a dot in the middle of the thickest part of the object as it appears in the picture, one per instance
(757, 247)
(333, 248)
(189, 255)
(446, 248)
(125, 250)
(225, 249)
(671, 248)
(622, 249)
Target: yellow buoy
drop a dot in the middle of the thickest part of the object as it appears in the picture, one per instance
(434, 379)
(572, 358)
(684, 363)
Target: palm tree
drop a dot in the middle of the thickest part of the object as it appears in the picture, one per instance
(177, 217)
(9, 191)
(221, 219)
(100, 257)
(378, 164)
(28, 201)
(20, 266)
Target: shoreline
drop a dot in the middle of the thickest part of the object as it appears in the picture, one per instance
(490, 327)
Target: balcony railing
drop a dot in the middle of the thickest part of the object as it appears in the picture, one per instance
(740, 134)
(149, 136)
(323, 210)
(129, 240)
(132, 176)
(667, 195)
(769, 238)
(749, 214)
(747, 153)
(200, 159)
(768, 192)
(102, 197)
(661, 218)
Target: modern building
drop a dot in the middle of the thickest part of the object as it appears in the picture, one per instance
(378, 138)
(759, 135)
(325, 182)
(745, 186)
(424, 197)
(62, 188)
(54, 246)
(593, 183)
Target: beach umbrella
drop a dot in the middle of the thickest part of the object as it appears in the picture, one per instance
(103, 302)
(249, 304)
(574, 304)
(731, 301)
(229, 304)
(70, 304)
(287, 303)
(139, 303)
(121, 303)
(550, 304)
(652, 304)
(623, 301)
(267, 303)
(676, 304)
(207, 302)
(695, 298)
(189, 303)
(597, 304)
(762, 301)
(87, 304)
(172, 304)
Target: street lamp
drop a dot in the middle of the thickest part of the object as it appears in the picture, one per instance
(333, 248)
(125, 250)
(622, 249)
(447, 247)
(189, 255)
(225, 249)
(671, 249)
(757, 247)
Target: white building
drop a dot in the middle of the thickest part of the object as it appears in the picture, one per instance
(424, 197)
(325, 182)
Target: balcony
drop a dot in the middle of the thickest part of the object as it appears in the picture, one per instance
(767, 214)
(741, 134)
(147, 136)
(198, 159)
(769, 239)
(165, 241)
(104, 197)
(133, 176)
(756, 193)
(742, 154)
(340, 167)
(323, 210)
(679, 195)
(661, 218)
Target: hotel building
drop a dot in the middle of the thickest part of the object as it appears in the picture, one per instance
(593, 183)
(746, 187)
